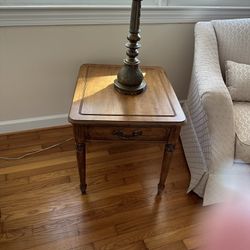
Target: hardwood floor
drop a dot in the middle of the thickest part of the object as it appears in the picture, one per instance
(42, 207)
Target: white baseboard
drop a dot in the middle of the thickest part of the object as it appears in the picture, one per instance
(36, 122)
(33, 123)
(182, 101)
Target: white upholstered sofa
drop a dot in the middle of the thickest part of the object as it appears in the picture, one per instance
(216, 138)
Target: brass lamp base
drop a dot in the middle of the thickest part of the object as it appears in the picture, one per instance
(130, 78)
(130, 90)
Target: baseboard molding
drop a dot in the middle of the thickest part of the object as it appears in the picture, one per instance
(36, 123)
(33, 123)
(182, 101)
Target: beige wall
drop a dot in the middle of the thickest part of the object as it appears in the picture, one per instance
(39, 65)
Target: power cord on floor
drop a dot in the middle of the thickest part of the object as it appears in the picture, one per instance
(35, 152)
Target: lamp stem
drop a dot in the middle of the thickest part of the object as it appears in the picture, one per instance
(135, 17)
(130, 78)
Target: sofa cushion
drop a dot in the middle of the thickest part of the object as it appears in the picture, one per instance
(233, 38)
(238, 80)
(242, 129)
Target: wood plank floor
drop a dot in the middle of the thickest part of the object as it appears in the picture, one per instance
(41, 206)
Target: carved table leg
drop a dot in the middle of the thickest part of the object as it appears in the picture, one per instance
(81, 161)
(167, 157)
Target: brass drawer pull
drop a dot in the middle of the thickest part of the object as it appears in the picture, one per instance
(122, 135)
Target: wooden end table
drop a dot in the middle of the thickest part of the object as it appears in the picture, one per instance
(99, 113)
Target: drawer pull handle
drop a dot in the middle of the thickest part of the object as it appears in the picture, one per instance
(122, 135)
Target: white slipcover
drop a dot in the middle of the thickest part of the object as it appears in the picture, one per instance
(242, 130)
(209, 136)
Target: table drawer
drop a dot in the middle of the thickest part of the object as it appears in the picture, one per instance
(127, 133)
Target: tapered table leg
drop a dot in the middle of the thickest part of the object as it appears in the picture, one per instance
(167, 157)
(81, 161)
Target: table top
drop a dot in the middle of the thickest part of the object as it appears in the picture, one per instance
(96, 101)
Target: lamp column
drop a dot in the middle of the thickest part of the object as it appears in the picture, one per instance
(130, 78)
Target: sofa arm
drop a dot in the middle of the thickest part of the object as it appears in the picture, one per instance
(220, 121)
(209, 102)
